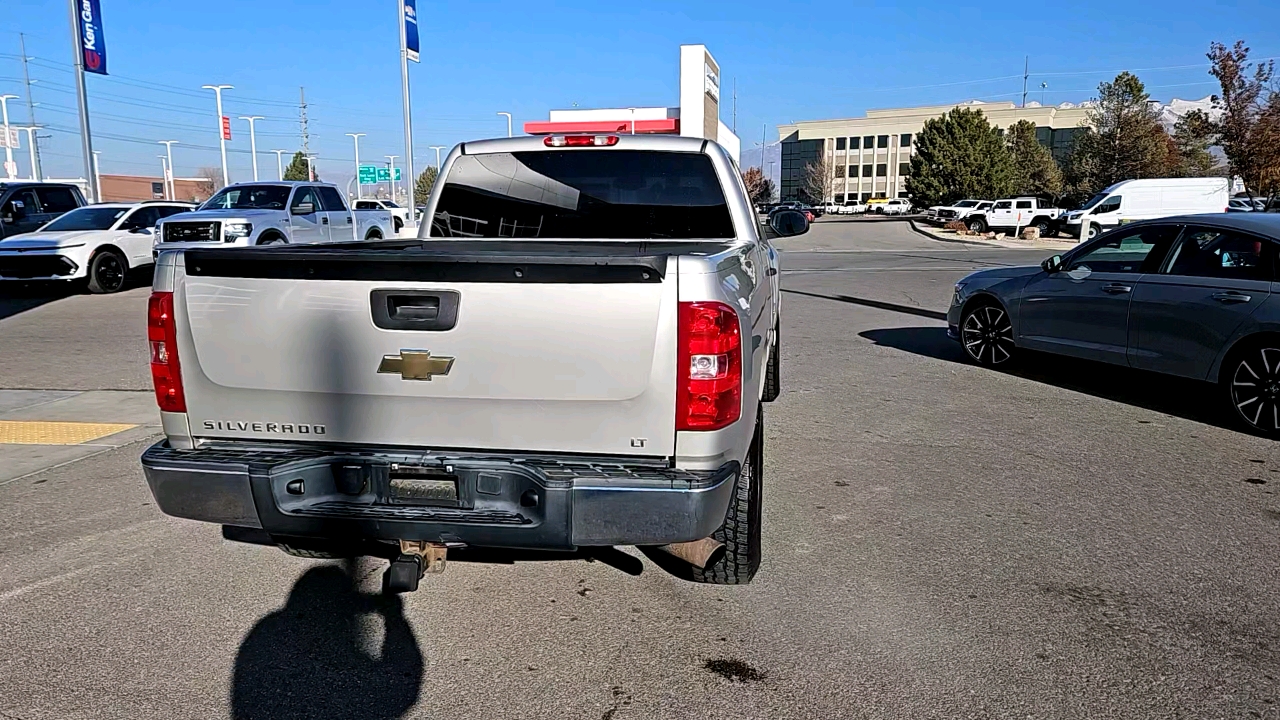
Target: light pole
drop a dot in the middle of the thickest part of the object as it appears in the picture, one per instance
(222, 137)
(279, 164)
(356, 137)
(166, 171)
(10, 170)
(437, 148)
(253, 143)
(31, 148)
(391, 179)
(311, 170)
(170, 192)
(97, 178)
(508, 122)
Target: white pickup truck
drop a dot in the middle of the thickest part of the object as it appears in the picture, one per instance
(399, 215)
(1013, 214)
(272, 213)
(571, 356)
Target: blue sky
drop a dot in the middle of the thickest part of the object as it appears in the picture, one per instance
(790, 62)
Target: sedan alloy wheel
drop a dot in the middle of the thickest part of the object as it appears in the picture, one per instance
(1255, 389)
(987, 335)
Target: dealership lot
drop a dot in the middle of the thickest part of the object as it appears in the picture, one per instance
(1067, 540)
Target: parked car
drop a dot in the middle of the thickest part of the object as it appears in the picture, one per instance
(399, 215)
(97, 243)
(1132, 200)
(1240, 205)
(25, 206)
(961, 210)
(897, 206)
(576, 361)
(271, 213)
(852, 207)
(1188, 296)
(1012, 214)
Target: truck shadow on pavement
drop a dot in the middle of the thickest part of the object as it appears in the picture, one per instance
(311, 659)
(1188, 399)
(17, 297)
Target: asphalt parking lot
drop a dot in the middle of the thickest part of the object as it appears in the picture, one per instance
(941, 541)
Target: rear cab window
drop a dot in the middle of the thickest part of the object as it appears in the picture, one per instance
(583, 194)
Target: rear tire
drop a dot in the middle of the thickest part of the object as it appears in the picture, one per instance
(1250, 381)
(1043, 226)
(773, 369)
(986, 334)
(740, 532)
(396, 225)
(271, 240)
(976, 225)
(108, 271)
(373, 235)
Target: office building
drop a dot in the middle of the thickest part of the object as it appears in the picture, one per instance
(871, 156)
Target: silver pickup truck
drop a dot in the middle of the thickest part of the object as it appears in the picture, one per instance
(273, 213)
(572, 356)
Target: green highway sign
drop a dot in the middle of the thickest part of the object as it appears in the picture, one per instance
(384, 175)
(368, 175)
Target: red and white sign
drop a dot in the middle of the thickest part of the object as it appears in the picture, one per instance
(226, 128)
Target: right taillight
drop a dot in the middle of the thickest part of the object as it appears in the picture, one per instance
(162, 334)
(709, 366)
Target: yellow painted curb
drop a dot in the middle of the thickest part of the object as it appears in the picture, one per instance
(39, 432)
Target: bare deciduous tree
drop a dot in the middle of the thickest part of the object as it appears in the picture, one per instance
(759, 187)
(819, 182)
(1249, 127)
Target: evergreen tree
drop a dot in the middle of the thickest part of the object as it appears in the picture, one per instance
(959, 155)
(1034, 170)
(422, 187)
(1192, 136)
(1125, 140)
(297, 169)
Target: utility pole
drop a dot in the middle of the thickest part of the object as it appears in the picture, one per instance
(36, 174)
(356, 137)
(391, 179)
(222, 135)
(82, 100)
(253, 143)
(437, 148)
(1026, 67)
(402, 20)
(168, 180)
(10, 168)
(31, 148)
(166, 171)
(279, 164)
(302, 121)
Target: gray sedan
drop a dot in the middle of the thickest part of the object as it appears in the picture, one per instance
(1189, 296)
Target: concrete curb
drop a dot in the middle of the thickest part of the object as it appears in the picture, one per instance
(957, 241)
(986, 243)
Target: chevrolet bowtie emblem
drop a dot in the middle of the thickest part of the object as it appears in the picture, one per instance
(415, 365)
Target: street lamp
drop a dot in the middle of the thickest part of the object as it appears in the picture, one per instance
(391, 179)
(166, 170)
(31, 148)
(279, 164)
(170, 191)
(222, 138)
(311, 170)
(253, 143)
(437, 148)
(508, 122)
(356, 137)
(10, 170)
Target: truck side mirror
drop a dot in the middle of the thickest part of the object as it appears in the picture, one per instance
(304, 208)
(789, 223)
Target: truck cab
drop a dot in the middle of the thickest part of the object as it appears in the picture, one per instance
(24, 207)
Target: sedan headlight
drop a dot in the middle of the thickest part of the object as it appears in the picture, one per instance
(234, 231)
(955, 299)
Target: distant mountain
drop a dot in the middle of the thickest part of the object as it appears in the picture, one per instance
(1173, 112)
(750, 157)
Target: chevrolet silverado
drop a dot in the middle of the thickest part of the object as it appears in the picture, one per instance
(572, 355)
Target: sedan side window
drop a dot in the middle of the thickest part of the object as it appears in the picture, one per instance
(143, 217)
(1205, 252)
(1133, 251)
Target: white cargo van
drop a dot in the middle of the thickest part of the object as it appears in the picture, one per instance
(1132, 200)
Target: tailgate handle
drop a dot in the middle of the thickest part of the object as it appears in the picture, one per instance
(426, 310)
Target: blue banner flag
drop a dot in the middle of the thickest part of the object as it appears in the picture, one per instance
(410, 29)
(93, 43)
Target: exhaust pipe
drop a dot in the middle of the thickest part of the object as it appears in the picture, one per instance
(699, 553)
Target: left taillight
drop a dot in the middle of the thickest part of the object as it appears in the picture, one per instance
(709, 357)
(162, 334)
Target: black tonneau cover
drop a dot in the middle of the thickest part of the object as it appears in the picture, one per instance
(515, 261)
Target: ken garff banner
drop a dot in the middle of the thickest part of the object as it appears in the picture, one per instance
(92, 41)
(410, 29)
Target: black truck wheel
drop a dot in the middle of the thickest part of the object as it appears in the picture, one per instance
(772, 368)
(740, 532)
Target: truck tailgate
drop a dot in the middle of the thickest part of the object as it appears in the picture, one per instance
(556, 347)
